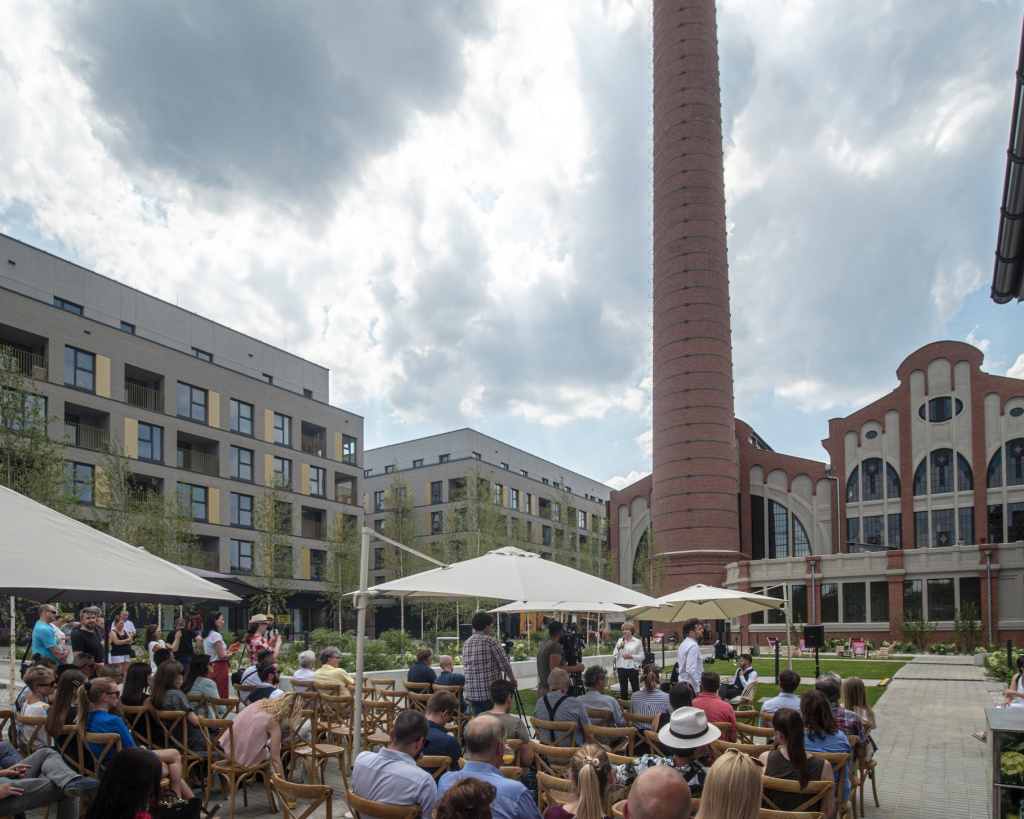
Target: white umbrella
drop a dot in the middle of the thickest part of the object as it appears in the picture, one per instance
(559, 605)
(509, 573)
(704, 602)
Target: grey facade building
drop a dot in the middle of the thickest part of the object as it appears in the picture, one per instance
(196, 405)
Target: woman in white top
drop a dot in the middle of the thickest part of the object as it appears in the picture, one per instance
(304, 674)
(1013, 697)
(629, 655)
(153, 642)
(214, 646)
(40, 685)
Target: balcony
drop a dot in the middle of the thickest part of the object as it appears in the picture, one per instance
(193, 461)
(30, 364)
(312, 445)
(86, 437)
(210, 561)
(137, 395)
(314, 529)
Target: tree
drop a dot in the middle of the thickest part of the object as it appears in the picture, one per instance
(272, 550)
(400, 526)
(341, 571)
(915, 629)
(650, 567)
(31, 462)
(966, 628)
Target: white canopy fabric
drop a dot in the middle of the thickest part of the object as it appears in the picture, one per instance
(509, 573)
(559, 605)
(705, 602)
(45, 555)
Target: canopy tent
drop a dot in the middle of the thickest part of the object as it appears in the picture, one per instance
(705, 603)
(558, 605)
(235, 585)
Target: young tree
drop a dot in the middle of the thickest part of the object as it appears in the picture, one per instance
(650, 567)
(31, 462)
(341, 572)
(272, 553)
(400, 525)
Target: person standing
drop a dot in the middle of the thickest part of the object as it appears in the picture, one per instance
(485, 661)
(214, 646)
(44, 638)
(129, 626)
(550, 657)
(256, 639)
(120, 642)
(86, 638)
(690, 663)
(629, 655)
(190, 640)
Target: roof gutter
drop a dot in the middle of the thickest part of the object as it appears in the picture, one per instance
(1008, 275)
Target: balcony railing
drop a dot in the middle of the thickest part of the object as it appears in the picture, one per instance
(200, 462)
(86, 437)
(211, 561)
(343, 493)
(138, 396)
(30, 364)
(314, 529)
(313, 446)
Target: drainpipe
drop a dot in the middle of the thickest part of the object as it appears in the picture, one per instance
(814, 596)
(988, 580)
(839, 521)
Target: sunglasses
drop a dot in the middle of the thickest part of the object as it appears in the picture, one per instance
(753, 759)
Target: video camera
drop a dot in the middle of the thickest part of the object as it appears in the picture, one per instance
(572, 644)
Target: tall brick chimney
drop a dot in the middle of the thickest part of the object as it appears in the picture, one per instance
(695, 487)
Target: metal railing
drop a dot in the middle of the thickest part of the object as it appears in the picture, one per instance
(86, 437)
(314, 529)
(343, 493)
(30, 364)
(193, 461)
(143, 397)
(211, 561)
(313, 446)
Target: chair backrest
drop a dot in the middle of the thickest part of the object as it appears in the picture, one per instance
(615, 740)
(551, 759)
(337, 709)
(198, 702)
(301, 685)
(764, 813)
(419, 688)
(382, 810)
(623, 704)
(641, 722)
(224, 744)
(378, 717)
(767, 719)
(600, 717)
(747, 733)
(110, 744)
(175, 730)
(7, 726)
(70, 749)
(399, 698)
(291, 792)
(243, 691)
(455, 689)
(720, 746)
(815, 792)
(558, 732)
(32, 734)
(517, 748)
(553, 790)
(435, 765)
(417, 700)
(839, 764)
(747, 715)
(511, 772)
(224, 705)
(382, 683)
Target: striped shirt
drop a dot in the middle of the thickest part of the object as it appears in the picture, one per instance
(648, 703)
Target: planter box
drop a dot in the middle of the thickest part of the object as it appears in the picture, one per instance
(980, 657)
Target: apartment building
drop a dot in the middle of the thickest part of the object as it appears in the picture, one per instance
(196, 406)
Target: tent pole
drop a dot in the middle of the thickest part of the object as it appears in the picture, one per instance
(357, 702)
(14, 644)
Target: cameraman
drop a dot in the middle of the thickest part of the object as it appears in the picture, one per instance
(550, 657)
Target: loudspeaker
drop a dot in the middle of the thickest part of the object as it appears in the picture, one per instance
(719, 626)
(646, 628)
(814, 636)
(465, 631)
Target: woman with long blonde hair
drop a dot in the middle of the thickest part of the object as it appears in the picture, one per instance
(591, 775)
(260, 723)
(732, 789)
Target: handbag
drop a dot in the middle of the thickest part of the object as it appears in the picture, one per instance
(178, 808)
(236, 675)
(25, 661)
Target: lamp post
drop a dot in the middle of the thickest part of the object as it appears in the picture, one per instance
(814, 596)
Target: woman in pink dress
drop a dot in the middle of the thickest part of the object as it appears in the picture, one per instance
(260, 723)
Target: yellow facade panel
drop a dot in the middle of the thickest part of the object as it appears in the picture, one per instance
(103, 376)
(131, 437)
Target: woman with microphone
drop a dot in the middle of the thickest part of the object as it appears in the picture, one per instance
(629, 656)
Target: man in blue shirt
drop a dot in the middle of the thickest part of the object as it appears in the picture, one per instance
(44, 636)
(788, 681)
(485, 741)
(449, 677)
(391, 775)
(442, 707)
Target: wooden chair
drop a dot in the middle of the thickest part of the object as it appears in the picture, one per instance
(653, 741)
(337, 720)
(558, 733)
(750, 734)
(459, 719)
(175, 731)
(838, 763)
(378, 719)
(32, 735)
(614, 740)
(236, 774)
(70, 749)
(517, 747)
(866, 771)
(399, 698)
(720, 746)
(243, 691)
(605, 719)
(300, 685)
(93, 763)
(550, 759)
(314, 753)
(382, 810)
(436, 766)
(816, 793)
(417, 700)
(764, 813)
(623, 704)
(642, 723)
(552, 790)
(199, 705)
(507, 771)
(417, 688)
(746, 698)
(382, 683)
(748, 716)
(617, 808)
(292, 793)
(224, 705)
(7, 726)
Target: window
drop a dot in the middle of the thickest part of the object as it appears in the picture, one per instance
(529, 531)
(283, 473)
(69, 306)
(436, 520)
(874, 530)
(528, 505)
(852, 531)
(378, 501)
(378, 526)
(378, 558)
(970, 592)
(193, 501)
(879, 601)
(779, 532)
(241, 510)
(282, 429)
(191, 402)
(348, 449)
(940, 598)
(581, 519)
(1014, 465)
(504, 465)
(940, 409)
(830, 602)
(241, 463)
(317, 564)
(499, 494)
(1014, 522)
(798, 599)
(801, 543)
(871, 486)
(557, 485)
(943, 527)
(544, 481)
(268, 378)
(546, 535)
(367, 473)
(854, 606)
(912, 602)
(79, 369)
(965, 532)
(921, 530)
(81, 477)
(241, 417)
(318, 481)
(241, 556)
(435, 491)
(417, 463)
(389, 468)
(895, 531)
(443, 459)
(202, 355)
(478, 456)
(524, 473)
(127, 328)
(513, 499)
(151, 443)
(23, 413)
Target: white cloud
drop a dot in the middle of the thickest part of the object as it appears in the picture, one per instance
(1017, 369)
(621, 482)
(952, 286)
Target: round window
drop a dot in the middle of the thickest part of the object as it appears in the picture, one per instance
(871, 434)
(1017, 412)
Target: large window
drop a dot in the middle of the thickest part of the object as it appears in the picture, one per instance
(913, 605)
(798, 599)
(782, 535)
(283, 473)
(378, 501)
(513, 498)
(879, 601)
(970, 592)
(79, 369)
(872, 480)
(965, 519)
(241, 417)
(854, 603)
(941, 603)
(241, 556)
(69, 306)
(241, 463)
(318, 481)
(317, 564)
(874, 530)
(241, 510)
(1014, 465)
(282, 429)
(778, 534)
(348, 449)
(193, 501)
(943, 527)
(830, 602)
(940, 528)
(151, 443)
(435, 491)
(81, 478)
(934, 475)
(436, 521)
(191, 402)
(895, 522)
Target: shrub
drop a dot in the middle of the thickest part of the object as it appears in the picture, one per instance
(966, 628)
(918, 631)
(996, 668)
(940, 648)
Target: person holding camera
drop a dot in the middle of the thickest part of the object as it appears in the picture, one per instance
(550, 657)
(629, 657)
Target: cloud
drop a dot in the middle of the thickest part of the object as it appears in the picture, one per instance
(1017, 369)
(951, 287)
(621, 482)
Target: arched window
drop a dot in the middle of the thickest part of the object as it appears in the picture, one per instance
(866, 484)
(801, 543)
(934, 475)
(892, 482)
(853, 487)
(995, 471)
(964, 475)
(921, 478)
(778, 534)
(872, 486)
(1015, 462)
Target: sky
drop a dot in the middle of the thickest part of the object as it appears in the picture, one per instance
(449, 204)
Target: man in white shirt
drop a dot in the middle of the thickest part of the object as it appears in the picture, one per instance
(391, 775)
(129, 626)
(690, 663)
(743, 677)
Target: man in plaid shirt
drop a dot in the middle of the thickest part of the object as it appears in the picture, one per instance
(485, 661)
(846, 721)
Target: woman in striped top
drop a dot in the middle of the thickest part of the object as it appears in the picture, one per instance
(650, 700)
